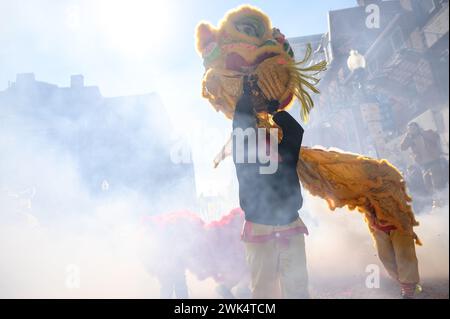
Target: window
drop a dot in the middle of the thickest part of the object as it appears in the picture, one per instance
(428, 5)
(397, 40)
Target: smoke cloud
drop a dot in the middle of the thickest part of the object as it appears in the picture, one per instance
(60, 240)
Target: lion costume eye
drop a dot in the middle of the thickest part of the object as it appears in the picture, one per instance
(248, 29)
(250, 26)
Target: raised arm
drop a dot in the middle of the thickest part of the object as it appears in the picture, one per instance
(244, 116)
(244, 127)
(292, 134)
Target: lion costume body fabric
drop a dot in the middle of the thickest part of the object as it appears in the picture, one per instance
(208, 250)
(246, 43)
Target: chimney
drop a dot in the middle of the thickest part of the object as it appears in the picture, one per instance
(77, 81)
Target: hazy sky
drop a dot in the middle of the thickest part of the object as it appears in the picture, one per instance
(138, 46)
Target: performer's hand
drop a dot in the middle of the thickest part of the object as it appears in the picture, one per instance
(272, 106)
(244, 105)
(247, 85)
(244, 113)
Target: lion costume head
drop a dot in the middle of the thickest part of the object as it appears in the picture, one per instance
(245, 43)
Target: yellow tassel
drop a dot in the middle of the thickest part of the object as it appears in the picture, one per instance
(301, 81)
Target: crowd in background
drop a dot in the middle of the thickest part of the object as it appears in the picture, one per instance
(427, 178)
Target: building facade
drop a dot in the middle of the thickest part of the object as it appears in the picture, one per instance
(404, 77)
(118, 144)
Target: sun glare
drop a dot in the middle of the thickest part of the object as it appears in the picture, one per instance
(135, 26)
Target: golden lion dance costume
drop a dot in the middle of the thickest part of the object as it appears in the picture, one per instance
(245, 43)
